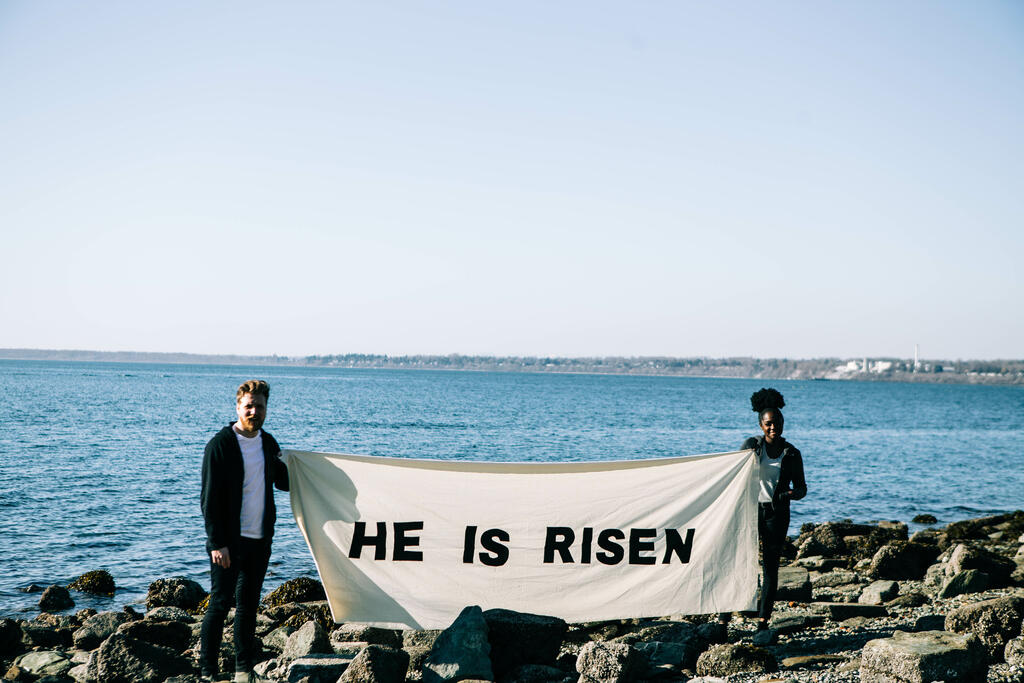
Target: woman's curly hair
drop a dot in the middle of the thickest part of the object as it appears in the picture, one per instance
(766, 399)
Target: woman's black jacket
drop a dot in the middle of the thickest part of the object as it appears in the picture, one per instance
(791, 484)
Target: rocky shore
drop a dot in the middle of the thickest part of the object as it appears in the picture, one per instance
(856, 602)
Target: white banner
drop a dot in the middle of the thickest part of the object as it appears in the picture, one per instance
(402, 542)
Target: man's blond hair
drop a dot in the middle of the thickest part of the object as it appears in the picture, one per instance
(256, 387)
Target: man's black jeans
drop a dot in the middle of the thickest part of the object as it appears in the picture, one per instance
(239, 585)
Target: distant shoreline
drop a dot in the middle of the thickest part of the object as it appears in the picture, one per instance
(991, 372)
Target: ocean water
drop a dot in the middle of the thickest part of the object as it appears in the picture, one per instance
(100, 462)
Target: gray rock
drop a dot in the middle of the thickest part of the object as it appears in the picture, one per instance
(923, 657)
(168, 613)
(121, 659)
(993, 621)
(462, 650)
(836, 578)
(826, 540)
(967, 581)
(794, 584)
(517, 639)
(173, 634)
(417, 658)
(420, 638)
(879, 592)
(352, 633)
(935, 576)
(377, 664)
(97, 628)
(44, 663)
(175, 592)
(607, 662)
(724, 660)
(56, 599)
(318, 668)
(966, 557)
(79, 673)
(276, 639)
(902, 560)
(764, 637)
(309, 639)
(271, 668)
(350, 648)
(791, 623)
(681, 633)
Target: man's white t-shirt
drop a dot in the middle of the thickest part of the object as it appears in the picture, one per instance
(253, 487)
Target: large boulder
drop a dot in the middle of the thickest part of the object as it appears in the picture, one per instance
(462, 651)
(517, 639)
(734, 658)
(376, 664)
(96, 582)
(965, 557)
(902, 560)
(173, 634)
(121, 659)
(56, 599)
(994, 622)
(924, 657)
(302, 589)
(175, 592)
(310, 639)
(97, 628)
(607, 663)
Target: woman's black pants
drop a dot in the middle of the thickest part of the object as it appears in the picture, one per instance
(772, 525)
(239, 585)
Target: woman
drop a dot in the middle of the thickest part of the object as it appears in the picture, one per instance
(781, 480)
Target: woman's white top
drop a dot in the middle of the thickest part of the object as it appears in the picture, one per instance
(769, 469)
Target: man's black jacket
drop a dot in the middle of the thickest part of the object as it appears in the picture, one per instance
(221, 498)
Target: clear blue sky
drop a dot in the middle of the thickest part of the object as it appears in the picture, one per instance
(579, 178)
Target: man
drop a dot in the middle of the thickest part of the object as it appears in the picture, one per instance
(240, 466)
